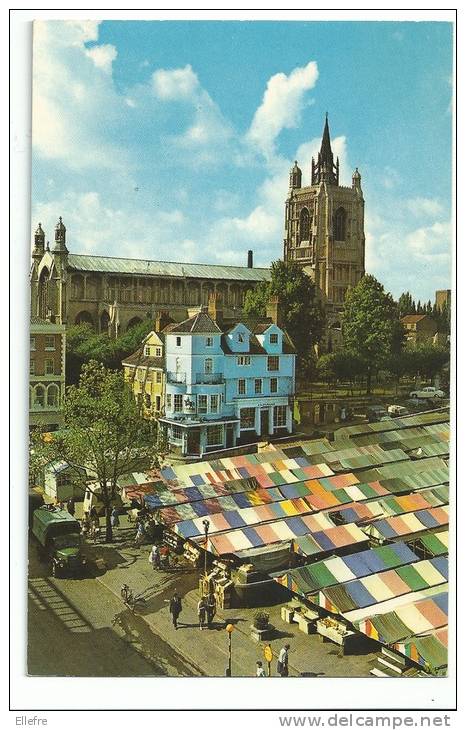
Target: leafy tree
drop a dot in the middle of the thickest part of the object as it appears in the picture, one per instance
(105, 433)
(347, 365)
(303, 314)
(369, 324)
(406, 304)
(427, 360)
(326, 370)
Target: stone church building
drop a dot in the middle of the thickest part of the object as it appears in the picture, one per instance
(108, 291)
(324, 232)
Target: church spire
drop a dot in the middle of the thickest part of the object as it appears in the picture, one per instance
(325, 170)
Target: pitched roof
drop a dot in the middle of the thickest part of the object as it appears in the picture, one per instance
(146, 361)
(412, 318)
(114, 265)
(255, 348)
(200, 323)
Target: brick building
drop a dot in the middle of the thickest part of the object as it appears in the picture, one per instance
(46, 373)
(419, 328)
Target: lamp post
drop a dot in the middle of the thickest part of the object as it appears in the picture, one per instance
(206, 525)
(229, 630)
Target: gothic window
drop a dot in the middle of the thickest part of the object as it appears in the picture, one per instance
(304, 225)
(339, 225)
(43, 293)
(52, 395)
(84, 317)
(104, 321)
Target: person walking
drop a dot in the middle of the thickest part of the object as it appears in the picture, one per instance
(114, 517)
(211, 608)
(259, 670)
(140, 534)
(202, 612)
(71, 506)
(154, 557)
(282, 664)
(175, 608)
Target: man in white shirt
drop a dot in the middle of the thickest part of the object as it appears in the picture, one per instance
(282, 664)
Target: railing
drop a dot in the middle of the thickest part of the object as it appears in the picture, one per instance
(209, 378)
(176, 377)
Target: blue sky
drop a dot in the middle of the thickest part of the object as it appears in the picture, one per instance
(173, 140)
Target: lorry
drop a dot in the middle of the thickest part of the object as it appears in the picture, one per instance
(58, 535)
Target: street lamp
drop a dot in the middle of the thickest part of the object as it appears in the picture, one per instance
(206, 525)
(229, 630)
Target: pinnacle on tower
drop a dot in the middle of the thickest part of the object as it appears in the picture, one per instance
(39, 242)
(325, 170)
(60, 237)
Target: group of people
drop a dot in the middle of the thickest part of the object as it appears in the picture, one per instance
(159, 556)
(282, 663)
(206, 610)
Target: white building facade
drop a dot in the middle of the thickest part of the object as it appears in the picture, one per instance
(226, 387)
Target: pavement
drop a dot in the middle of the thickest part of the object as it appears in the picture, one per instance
(206, 651)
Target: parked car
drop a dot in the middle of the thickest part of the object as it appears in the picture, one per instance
(396, 410)
(58, 540)
(427, 392)
(376, 413)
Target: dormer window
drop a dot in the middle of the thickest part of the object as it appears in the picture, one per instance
(209, 341)
(147, 351)
(274, 338)
(240, 337)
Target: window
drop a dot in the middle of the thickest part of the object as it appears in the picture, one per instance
(214, 401)
(257, 386)
(39, 399)
(147, 350)
(304, 225)
(209, 341)
(32, 367)
(158, 376)
(147, 401)
(247, 418)
(178, 402)
(241, 386)
(177, 433)
(273, 385)
(140, 374)
(157, 403)
(274, 338)
(49, 367)
(339, 225)
(243, 360)
(202, 404)
(52, 395)
(32, 345)
(169, 401)
(240, 337)
(208, 365)
(158, 352)
(279, 416)
(148, 376)
(178, 341)
(273, 362)
(50, 342)
(215, 436)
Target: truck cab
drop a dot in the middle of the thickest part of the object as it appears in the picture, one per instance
(59, 540)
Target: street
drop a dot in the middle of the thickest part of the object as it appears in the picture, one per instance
(74, 616)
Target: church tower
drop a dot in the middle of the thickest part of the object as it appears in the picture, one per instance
(324, 232)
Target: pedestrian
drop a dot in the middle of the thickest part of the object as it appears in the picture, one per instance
(282, 664)
(202, 612)
(71, 506)
(211, 608)
(259, 670)
(154, 557)
(61, 504)
(151, 528)
(175, 608)
(140, 535)
(114, 517)
(164, 556)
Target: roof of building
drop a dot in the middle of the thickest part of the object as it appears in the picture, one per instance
(199, 324)
(144, 361)
(115, 265)
(413, 318)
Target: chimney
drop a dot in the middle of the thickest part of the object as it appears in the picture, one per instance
(273, 311)
(214, 309)
(161, 320)
(250, 259)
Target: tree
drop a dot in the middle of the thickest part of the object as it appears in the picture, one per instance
(303, 315)
(104, 432)
(369, 324)
(406, 304)
(326, 370)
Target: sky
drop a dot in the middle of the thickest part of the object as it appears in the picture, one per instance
(173, 140)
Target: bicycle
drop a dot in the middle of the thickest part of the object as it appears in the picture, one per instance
(129, 599)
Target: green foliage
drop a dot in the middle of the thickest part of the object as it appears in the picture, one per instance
(369, 324)
(424, 360)
(302, 312)
(326, 371)
(342, 365)
(84, 345)
(406, 304)
(105, 432)
(261, 620)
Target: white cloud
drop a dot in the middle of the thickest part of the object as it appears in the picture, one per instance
(431, 242)
(424, 206)
(281, 106)
(175, 84)
(103, 56)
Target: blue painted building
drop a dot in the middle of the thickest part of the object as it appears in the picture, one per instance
(226, 384)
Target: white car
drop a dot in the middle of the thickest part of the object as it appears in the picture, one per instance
(428, 392)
